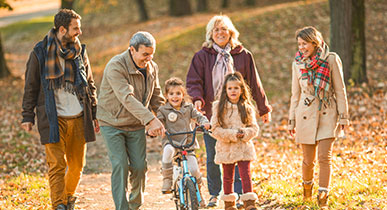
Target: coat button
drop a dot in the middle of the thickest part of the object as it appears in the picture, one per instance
(324, 113)
(304, 117)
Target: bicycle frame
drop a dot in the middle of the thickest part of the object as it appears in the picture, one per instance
(184, 165)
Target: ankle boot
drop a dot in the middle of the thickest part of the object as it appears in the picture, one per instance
(229, 201)
(167, 172)
(249, 200)
(307, 190)
(322, 199)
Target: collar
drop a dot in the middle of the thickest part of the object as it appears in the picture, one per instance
(184, 105)
(230, 105)
(237, 50)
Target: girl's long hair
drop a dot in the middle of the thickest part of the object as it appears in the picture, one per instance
(243, 103)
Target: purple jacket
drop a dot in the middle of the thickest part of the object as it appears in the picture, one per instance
(199, 78)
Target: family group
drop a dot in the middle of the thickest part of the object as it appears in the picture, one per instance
(223, 92)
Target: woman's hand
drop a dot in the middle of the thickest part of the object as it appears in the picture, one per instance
(207, 126)
(198, 106)
(240, 134)
(266, 118)
(292, 132)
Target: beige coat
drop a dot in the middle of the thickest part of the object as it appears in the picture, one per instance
(181, 120)
(230, 149)
(311, 123)
(124, 100)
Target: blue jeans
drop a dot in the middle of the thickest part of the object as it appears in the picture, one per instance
(214, 176)
(127, 153)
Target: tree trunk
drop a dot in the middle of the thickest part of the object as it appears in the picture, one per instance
(250, 2)
(67, 4)
(4, 71)
(202, 5)
(358, 68)
(224, 4)
(341, 39)
(142, 10)
(179, 7)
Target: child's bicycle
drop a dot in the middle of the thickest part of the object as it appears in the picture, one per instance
(185, 188)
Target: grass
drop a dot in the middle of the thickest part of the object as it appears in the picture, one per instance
(25, 192)
(27, 31)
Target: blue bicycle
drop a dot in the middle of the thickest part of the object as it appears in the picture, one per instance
(185, 188)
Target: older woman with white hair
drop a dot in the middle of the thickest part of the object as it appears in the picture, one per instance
(222, 53)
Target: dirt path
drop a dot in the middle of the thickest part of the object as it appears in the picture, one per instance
(94, 191)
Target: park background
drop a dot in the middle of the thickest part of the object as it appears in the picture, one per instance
(267, 29)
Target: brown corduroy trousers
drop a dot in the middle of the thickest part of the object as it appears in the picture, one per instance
(65, 160)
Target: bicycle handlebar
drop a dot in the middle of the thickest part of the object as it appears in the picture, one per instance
(184, 146)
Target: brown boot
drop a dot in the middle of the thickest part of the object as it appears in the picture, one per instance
(167, 172)
(322, 199)
(249, 200)
(229, 201)
(307, 190)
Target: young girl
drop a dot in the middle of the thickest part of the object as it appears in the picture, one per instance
(177, 115)
(234, 126)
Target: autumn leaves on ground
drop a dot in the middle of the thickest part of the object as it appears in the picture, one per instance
(359, 178)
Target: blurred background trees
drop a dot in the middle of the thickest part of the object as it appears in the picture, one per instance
(4, 71)
(348, 37)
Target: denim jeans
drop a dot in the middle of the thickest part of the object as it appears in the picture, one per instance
(127, 153)
(214, 176)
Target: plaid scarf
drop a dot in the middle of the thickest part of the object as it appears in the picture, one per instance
(317, 71)
(54, 72)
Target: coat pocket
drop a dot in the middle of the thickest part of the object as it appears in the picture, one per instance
(306, 120)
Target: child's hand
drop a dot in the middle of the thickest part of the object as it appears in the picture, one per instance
(240, 134)
(207, 126)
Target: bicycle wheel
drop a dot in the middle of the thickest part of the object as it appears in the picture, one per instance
(190, 197)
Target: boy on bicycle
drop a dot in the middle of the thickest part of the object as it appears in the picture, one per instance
(178, 115)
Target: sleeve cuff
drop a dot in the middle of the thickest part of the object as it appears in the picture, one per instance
(28, 119)
(291, 124)
(343, 119)
(265, 111)
(199, 99)
(147, 119)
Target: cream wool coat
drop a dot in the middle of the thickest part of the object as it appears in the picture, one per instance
(311, 123)
(229, 149)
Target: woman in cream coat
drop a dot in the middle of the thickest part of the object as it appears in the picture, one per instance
(319, 107)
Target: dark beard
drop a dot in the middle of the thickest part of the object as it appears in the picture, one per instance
(67, 39)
